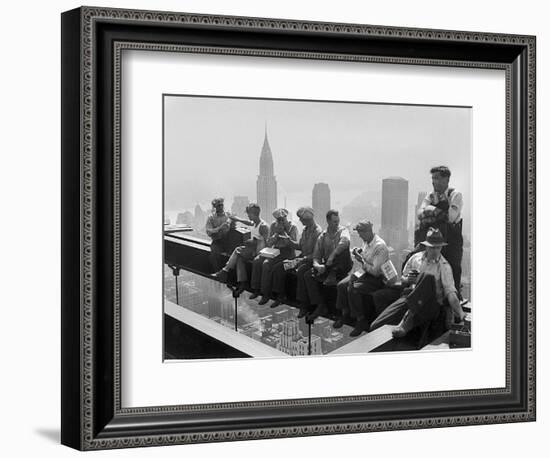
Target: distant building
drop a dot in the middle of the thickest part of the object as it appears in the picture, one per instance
(185, 218)
(290, 334)
(421, 196)
(280, 316)
(302, 346)
(293, 342)
(266, 184)
(200, 217)
(239, 205)
(395, 195)
(320, 200)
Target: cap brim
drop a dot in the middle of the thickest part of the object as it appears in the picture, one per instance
(434, 244)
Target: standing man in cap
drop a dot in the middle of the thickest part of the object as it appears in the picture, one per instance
(259, 232)
(431, 287)
(442, 209)
(283, 235)
(354, 299)
(306, 245)
(218, 225)
(331, 262)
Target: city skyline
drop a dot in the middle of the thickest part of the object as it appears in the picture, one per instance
(407, 137)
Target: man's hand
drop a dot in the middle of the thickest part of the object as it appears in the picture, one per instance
(321, 269)
(412, 276)
(443, 205)
(330, 260)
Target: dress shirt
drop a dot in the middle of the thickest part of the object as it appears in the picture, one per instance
(374, 254)
(439, 268)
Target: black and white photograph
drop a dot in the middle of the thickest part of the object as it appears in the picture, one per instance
(282, 223)
(315, 228)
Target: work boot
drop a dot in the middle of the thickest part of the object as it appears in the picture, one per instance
(321, 309)
(402, 329)
(254, 295)
(220, 275)
(339, 322)
(360, 326)
(241, 288)
(264, 300)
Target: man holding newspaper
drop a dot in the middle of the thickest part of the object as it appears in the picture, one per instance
(354, 292)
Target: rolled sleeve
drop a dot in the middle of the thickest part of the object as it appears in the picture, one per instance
(456, 204)
(412, 264)
(344, 242)
(447, 280)
(380, 256)
(294, 234)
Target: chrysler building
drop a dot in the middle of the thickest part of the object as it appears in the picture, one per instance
(266, 185)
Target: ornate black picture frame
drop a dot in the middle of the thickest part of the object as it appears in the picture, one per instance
(92, 415)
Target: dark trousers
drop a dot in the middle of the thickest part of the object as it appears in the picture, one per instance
(262, 274)
(218, 248)
(360, 296)
(354, 295)
(301, 290)
(278, 279)
(313, 282)
(421, 301)
(453, 251)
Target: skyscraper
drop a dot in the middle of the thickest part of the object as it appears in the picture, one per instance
(421, 196)
(395, 195)
(320, 200)
(200, 217)
(266, 185)
(239, 205)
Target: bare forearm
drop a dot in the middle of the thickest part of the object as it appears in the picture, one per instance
(455, 305)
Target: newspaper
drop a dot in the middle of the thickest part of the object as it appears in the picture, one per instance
(389, 271)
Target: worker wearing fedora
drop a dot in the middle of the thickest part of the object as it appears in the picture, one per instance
(429, 282)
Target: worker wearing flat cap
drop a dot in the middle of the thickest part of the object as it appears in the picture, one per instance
(302, 264)
(430, 288)
(354, 300)
(218, 225)
(283, 235)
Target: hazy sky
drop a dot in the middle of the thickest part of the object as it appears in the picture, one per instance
(212, 147)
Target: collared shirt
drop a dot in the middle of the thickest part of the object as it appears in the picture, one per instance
(452, 196)
(213, 222)
(308, 240)
(328, 242)
(439, 268)
(374, 254)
